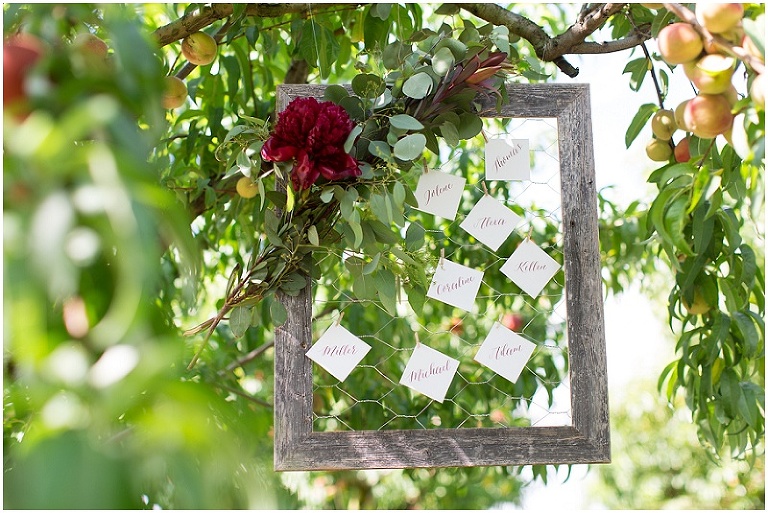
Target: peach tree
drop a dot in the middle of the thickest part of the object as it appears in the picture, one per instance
(155, 210)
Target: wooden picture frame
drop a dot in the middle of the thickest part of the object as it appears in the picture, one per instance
(586, 440)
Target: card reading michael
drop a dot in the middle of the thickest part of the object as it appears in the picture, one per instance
(490, 222)
(439, 193)
(455, 284)
(507, 159)
(429, 372)
(505, 352)
(338, 351)
(530, 268)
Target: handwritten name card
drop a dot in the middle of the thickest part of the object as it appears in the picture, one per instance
(338, 351)
(439, 193)
(455, 284)
(507, 159)
(530, 268)
(505, 352)
(429, 372)
(490, 222)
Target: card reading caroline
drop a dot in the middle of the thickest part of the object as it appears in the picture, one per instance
(490, 222)
(530, 268)
(455, 284)
(338, 351)
(505, 352)
(439, 193)
(429, 372)
(507, 159)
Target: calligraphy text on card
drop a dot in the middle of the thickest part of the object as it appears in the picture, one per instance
(501, 160)
(433, 370)
(531, 266)
(436, 191)
(342, 350)
(489, 222)
(506, 350)
(454, 285)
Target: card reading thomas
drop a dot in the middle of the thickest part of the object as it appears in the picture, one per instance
(530, 268)
(338, 351)
(439, 193)
(505, 352)
(455, 284)
(490, 222)
(507, 159)
(429, 372)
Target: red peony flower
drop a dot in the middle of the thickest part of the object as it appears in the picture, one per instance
(313, 134)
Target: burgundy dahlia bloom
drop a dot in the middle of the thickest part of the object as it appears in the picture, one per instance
(313, 134)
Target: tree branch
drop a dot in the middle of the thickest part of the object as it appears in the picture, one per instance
(570, 42)
(716, 40)
(195, 21)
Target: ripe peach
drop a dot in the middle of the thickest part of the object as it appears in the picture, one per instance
(513, 322)
(246, 188)
(683, 150)
(679, 43)
(91, 45)
(699, 305)
(719, 18)
(751, 48)
(175, 93)
(712, 73)
(20, 53)
(679, 118)
(708, 115)
(663, 124)
(658, 150)
(757, 91)
(199, 48)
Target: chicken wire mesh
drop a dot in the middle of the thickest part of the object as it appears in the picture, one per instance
(372, 398)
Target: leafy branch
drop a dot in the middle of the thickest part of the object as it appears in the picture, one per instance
(572, 41)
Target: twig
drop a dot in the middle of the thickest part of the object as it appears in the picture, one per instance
(244, 395)
(653, 76)
(249, 357)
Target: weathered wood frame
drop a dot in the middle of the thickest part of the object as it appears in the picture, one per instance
(586, 440)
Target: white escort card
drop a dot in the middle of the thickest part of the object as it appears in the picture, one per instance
(338, 351)
(429, 372)
(505, 352)
(490, 222)
(455, 284)
(507, 159)
(530, 268)
(439, 193)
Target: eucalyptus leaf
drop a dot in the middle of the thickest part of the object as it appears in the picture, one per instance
(239, 320)
(418, 86)
(410, 147)
(405, 122)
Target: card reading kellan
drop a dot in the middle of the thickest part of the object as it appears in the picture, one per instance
(490, 222)
(530, 268)
(338, 351)
(505, 352)
(429, 372)
(439, 193)
(507, 159)
(455, 284)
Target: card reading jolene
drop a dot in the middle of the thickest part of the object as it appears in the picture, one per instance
(338, 351)
(439, 193)
(530, 268)
(455, 284)
(429, 372)
(505, 352)
(490, 222)
(507, 159)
